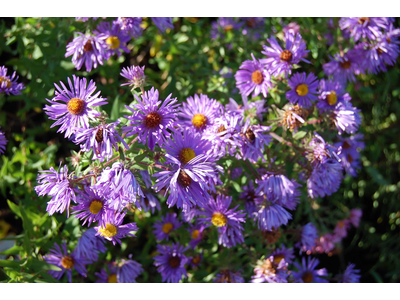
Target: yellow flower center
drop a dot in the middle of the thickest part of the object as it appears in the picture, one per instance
(112, 42)
(95, 206)
(199, 120)
(186, 155)
(331, 98)
(108, 231)
(167, 227)
(218, 219)
(112, 278)
(307, 277)
(302, 89)
(67, 262)
(2, 79)
(76, 106)
(228, 28)
(195, 234)
(278, 258)
(257, 77)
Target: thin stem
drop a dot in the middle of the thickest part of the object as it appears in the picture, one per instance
(280, 139)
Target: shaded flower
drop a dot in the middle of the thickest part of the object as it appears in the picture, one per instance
(222, 26)
(308, 235)
(270, 215)
(306, 272)
(303, 89)
(195, 260)
(89, 245)
(135, 75)
(9, 85)
(355, 216)
(128, 270)
(109, 275)
(130, 26)
(3, 142)
(343, 68)
(319, 152)
(325, 179)
(196, 233)
(163, 227)
(283, 253)
(254, 138)
(270, 270)
(254, 27)
(350, 154)
(227, 276)
(346, 118)
(163, 23)
(341, 228)
(350, 275)
(250, 198)
(171, 262)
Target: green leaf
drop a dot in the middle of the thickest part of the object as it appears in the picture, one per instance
(299, 135)
(139, 158)
(14, 208)
(115, 109)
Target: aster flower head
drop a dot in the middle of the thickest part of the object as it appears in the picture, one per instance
(135, 75)
(60, 257)
(250, 198)
(343, 68)
(171, 262)
(3, 142)
(200, 112)
(9, 85)
(149, 202)
(87, 49)
(341, 228)
(325, 179)
(163, 23)
(355, 217)
(130, 26)
(283, 253)
(150, 120)
(270, 215)
(303, 89)
(119, 185)
(227, 276)
(163, 227)
(308, 234)
(350, 275)
(57, 185)
(319, 152)
(253, 27)
(331, 92)
(128, 270)
(346, 118)
(270, 270)
(222, 26)
(102, 139)
(108, 275)
(78, 105)
(292, 117)
(363, 27)
(195, 260)
(89, 245)
(253, 77)
(350, 154)
(113, 230)
(306, 271)
(196, 233)
(280, 61)
(114, 38)
(228, 221)
(91, 207)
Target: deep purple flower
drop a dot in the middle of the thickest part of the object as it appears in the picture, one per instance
(355, 217)
(135, 75)
(114, 38)
(325, 179)
(88, 49)
(150, 120)
(91, 206)
(270, 270)
(350, 275)
(350, 154)
(200, 112)
(57, 185)
(254, 27)
(89, 245)
(303, 89)
(227, 220)
(128, 270)
(119, 186)
(307, 273)
(227, 276)
(102, 139)
(163, 23)
(253, 77)
(270, 215)
(76, 110)
(171, 262)
(281, 61)
(283, 253)
(341, 228)
(343, 68)
(109, 275)
(149, 202)
(3, 142)
(331, 92)
(308, 234)
(195, 260)
(60, 258)
(196, 233)
(163, 227)
(113, 230)
(325, 243)
(222, 26)
(250, 198)
(346, 117)
(9, 85)
(254, 138)
(365, 27)
(130, 26)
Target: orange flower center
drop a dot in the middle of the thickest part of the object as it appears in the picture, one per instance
(195, 234)
(67, 262)
(331, 98)
(76, 106)
(199, 120)
(302, 89)
(112, 278)
(257, 77)
(167, 227)
(286, 55)
(95, 206)
(152, 120)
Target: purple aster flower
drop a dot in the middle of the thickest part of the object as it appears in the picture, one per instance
(350, 275)
(355, 217)
(343, 68)
(87, 49)
(341, 228)
(128, 270)
(195, 261)
(188, 183)
(188, 213)
(253, 77)
(283, 253)
(89, 245)
(308, 234)
(303, 89)
(149, 202)
(163, 23)
(60, 258)
(325, 179)
(254, 138)
(9, 85)
(292, 27)
(365, 27)
(135, 75)
(281, 61)
(331, 92)
(307, 273)
(119, 186)
(346, 117)
(249, 109)
(227, 220)
(103, 139)
(325, 243)
(222, 26)
(270, 270)
(254, 27)
(319, 152)
(91, 206)
(350, 155)
(3, 142)
(236, 172)
(196, 233)
(109, 275)
(171, 262)
(270, 215)
(200, 112)
(227, 276)
(250, 198)
(58, 186)
(150, 120)
(114, 38)
(113, 230)
(163, 228)
(76, 110)
(130, 26)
